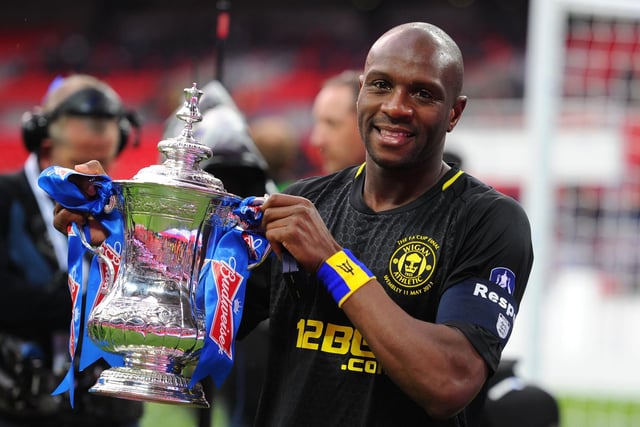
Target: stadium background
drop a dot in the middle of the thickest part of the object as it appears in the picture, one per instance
(576, 336)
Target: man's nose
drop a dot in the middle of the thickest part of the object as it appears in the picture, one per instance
(317, 137)
(397, 104)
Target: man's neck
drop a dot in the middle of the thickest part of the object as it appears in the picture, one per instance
(386, 189)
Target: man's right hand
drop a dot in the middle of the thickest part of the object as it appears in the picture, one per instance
(62, 217)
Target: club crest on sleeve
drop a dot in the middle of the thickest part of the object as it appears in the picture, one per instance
(503, 326)
(504, 278)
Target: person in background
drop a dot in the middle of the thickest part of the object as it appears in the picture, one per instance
(81, 118)
(236, 159)
(395, 284)
(513, 401)
(276, 139)
(335, 128)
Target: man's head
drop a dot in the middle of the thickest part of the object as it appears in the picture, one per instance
(276, 139)
(335, 129)
(80, 119)
(410, 96)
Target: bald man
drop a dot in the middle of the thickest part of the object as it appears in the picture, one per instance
(395, 317)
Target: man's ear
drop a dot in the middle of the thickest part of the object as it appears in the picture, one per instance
(456, 112)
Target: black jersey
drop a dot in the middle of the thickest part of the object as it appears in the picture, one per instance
(461, 234)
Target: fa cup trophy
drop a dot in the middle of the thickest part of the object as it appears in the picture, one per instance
(150, 313)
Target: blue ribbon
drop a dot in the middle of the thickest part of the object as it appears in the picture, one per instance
(228, 260)
(75, 289)
(56, 182)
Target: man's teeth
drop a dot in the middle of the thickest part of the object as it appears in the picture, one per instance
(385, 132)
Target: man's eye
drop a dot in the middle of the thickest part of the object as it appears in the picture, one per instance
(423, 94)
(380, 84)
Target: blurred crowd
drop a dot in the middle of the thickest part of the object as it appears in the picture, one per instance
(275, 58)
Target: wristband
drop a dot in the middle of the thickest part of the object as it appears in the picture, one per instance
(343, 274)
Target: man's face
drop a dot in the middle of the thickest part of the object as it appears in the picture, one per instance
(77, 140)
(335, 129)
(405, 107)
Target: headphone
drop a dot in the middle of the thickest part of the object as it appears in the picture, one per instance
(88, 102)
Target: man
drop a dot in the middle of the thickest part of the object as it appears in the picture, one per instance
(408, 346)
(394, 315)
(276, 139)
(81, 118)
(335, 127)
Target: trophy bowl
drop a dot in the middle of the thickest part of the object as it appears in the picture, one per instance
(151, 313)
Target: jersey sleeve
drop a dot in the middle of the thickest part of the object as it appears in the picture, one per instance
(494, 245)
(484, 290)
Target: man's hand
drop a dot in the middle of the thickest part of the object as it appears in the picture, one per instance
(292, 223)
(62, 218)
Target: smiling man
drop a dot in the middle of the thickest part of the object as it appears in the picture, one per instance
(389, 327)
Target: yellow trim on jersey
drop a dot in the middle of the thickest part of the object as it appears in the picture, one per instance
(446, 185)
(451, 180)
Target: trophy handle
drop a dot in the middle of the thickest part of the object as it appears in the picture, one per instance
(99, 252)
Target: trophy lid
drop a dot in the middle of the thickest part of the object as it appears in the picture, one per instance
(183, 153)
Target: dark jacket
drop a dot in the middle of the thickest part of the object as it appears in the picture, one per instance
(35, 314)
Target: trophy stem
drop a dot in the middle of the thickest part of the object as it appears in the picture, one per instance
(152, 379)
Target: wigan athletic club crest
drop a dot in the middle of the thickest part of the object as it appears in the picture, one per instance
(411, 265)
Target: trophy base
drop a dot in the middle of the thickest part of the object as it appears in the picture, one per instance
(149, 386)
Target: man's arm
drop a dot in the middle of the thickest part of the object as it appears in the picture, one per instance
(434, 364)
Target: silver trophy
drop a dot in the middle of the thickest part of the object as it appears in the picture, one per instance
(149, 313)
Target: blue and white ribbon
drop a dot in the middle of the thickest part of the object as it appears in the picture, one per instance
(223, 278)
(56, 182)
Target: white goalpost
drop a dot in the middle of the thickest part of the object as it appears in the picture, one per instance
(582, 71)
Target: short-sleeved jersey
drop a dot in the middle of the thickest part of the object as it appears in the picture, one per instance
(460, 235)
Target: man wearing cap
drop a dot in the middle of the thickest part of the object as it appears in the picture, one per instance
(81, 118)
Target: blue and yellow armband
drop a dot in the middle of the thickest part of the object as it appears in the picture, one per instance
(343, 274)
